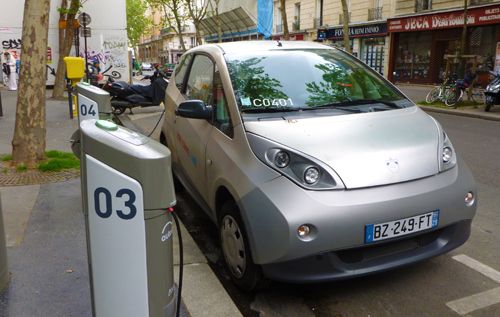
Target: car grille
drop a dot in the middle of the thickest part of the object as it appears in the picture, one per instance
(389, 248)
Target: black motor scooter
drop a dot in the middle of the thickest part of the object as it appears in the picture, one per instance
(125, 96)
(492, 91)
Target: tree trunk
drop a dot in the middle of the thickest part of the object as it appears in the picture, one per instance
(462, 61)
(286, 33)
(64, 50)
(28, 144)
(347, 44)
(219, 26)
(199, 38)
(62, 17)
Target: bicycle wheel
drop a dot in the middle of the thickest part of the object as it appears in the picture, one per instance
(453, 97)
(478, 96)
(433, 95)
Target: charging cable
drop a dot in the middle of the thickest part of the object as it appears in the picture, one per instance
(181, 259)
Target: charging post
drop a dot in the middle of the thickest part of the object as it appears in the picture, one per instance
(127, 193)
(93, 102)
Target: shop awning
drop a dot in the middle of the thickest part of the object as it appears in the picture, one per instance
(234, 23)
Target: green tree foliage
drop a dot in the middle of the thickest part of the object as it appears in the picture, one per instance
(197, 12)
(175, 14)
(137, 22)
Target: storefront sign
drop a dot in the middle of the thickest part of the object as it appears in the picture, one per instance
(476, 16)
(371, 30)
(322, 34)
(295, 37)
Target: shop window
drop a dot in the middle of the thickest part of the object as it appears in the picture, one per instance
(372, 53)
(413, 56)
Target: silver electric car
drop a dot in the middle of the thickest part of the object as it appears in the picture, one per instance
(312, 165)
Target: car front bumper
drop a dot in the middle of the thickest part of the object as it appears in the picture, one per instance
(336, 247)
(336, 265)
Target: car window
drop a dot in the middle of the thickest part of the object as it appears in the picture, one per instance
(181, 69)
(200, 81)
(302, 79)
(222, 118)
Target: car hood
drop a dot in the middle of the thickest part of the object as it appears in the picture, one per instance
(368, 149)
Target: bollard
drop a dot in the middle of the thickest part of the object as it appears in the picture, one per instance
(4, 270)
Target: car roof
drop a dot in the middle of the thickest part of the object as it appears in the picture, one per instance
(245, 46)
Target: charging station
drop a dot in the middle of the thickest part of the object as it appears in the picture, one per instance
(92, 102)
(127, 193)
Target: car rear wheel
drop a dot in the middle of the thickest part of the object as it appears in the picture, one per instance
(245, 274)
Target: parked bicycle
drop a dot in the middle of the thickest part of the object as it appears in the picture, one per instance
(460, 87)
(441, 92)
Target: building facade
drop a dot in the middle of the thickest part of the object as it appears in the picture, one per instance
(407, 41)
(107, 42)
(426, 35)
(163, 45)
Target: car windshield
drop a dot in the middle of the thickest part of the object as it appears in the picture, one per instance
(319, 79)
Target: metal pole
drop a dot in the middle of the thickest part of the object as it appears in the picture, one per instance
(70, 99)
(86, 63)
(1, 110)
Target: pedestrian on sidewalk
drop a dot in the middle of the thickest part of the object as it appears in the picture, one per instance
(10, 70)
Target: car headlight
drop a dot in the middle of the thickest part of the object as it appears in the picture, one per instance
(311, 175)
(448, 156)
(282, 159)
(300, 168)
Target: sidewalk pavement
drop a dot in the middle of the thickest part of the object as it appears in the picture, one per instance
(46, 243)
(45, 230)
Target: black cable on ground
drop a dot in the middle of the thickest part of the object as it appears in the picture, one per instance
(181, 260)
(157, 122)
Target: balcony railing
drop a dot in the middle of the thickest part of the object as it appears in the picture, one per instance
(296, 25)
(166, 31)
(318, 22)
(421, 5)
(375, 14)
(341, 18)
(279, 28)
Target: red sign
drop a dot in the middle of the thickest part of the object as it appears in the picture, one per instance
(453, 19)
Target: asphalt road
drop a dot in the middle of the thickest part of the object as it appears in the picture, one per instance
(464, 282)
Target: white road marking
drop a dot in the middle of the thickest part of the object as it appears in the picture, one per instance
(471, 303)
(478, 266)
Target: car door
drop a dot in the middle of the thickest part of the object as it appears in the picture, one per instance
(191, 135)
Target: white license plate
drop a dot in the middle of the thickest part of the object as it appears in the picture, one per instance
(401, 227)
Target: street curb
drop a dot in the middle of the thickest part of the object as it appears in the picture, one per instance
(463, 113)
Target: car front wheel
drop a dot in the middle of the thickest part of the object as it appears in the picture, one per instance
(237, 255)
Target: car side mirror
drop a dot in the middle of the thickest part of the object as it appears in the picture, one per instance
(195, 109)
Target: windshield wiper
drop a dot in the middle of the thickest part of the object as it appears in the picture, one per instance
(267, 109)
(336, 106)
(391, 104)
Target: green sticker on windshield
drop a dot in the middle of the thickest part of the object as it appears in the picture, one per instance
(245, 101)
